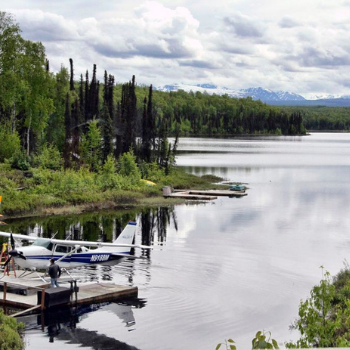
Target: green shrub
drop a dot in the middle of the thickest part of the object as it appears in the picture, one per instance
(128, 167)
(107, 177)
(49, 158)
(71, 181)
(7, 184)
(10, 143)
(324, 317)
(153, 172)
(10, 338)
(20, 161)
(91, 147)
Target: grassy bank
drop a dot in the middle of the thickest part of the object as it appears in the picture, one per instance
(47, 192)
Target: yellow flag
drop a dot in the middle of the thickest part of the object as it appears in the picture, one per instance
(0, 199)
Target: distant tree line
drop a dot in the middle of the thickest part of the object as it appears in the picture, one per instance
(201, 114)
(321, 118)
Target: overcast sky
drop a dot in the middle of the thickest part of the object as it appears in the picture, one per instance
(301, 46)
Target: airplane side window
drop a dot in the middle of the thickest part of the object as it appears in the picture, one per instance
(61, 249)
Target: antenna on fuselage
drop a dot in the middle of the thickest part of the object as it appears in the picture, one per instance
(54, 235)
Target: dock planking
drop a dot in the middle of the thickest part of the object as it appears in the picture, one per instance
(188, 195)
(205, 194)
(227, 193)
(87, 294)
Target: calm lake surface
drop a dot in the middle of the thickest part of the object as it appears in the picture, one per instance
(231, 267)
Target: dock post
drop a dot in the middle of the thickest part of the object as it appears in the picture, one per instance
(76, 291)
(43, 299)
(5, 291)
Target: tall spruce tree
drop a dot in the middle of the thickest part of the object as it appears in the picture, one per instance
(107, 132)
(148, 129)
(68, 134)
(87, 104)
(76, 134)
(71, 80)
(82, 97)
(128, 115)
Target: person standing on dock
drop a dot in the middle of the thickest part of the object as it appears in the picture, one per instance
(54, 272)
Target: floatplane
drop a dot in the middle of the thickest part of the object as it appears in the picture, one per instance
(70, 253)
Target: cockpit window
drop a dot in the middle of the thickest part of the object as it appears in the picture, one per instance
(41, 242)
(62, 249)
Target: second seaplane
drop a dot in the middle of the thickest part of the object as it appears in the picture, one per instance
(70, 253)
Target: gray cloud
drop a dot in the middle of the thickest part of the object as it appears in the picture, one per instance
(243, 26)
(314, 57)
(236, 48)
(40, 26)
(151, 50)
(288, 22)
(198, 64)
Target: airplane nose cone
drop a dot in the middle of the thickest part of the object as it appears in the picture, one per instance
(16, 254)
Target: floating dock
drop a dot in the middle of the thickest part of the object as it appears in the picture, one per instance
(202, 194)
(189, 195)
(226, 193)
(25, 293)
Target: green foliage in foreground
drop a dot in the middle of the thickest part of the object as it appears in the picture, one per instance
(10, 338)
(262, 340)
(324, 317)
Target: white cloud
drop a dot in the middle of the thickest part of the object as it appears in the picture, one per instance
(287, 45)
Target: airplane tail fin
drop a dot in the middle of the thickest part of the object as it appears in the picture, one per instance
(126, 237)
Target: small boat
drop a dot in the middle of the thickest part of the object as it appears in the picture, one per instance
(237, 188)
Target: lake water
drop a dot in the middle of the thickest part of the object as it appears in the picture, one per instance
(233, 266)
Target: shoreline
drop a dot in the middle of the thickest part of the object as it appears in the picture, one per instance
(34, 200)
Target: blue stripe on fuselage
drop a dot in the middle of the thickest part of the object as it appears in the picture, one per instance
(91, 258)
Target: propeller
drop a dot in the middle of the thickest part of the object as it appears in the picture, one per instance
(13, 253)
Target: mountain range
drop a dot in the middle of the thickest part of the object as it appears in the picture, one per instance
(280, 98)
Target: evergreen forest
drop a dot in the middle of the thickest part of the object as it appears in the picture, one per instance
(321, 118)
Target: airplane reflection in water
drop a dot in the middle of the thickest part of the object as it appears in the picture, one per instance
(63, 325)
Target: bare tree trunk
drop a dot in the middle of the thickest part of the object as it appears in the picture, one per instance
(28, 135)
(14, 118)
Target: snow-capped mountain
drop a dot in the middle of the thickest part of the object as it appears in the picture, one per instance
(265, 95)
(327, 97)
(255, 93)
(269, 95)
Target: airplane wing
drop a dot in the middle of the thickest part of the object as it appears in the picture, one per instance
(18, 236)
(96, 244)
(74, 243)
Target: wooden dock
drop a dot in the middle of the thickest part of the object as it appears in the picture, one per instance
(189, 195)
(226, 193)
(204, 195)
(22, 293)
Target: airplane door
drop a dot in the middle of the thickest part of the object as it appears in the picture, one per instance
(61, 250)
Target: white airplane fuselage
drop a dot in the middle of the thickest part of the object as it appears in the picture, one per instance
(39, 257)
(72, 253)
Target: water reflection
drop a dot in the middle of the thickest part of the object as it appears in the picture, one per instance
(102, 227)
(71, 325)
